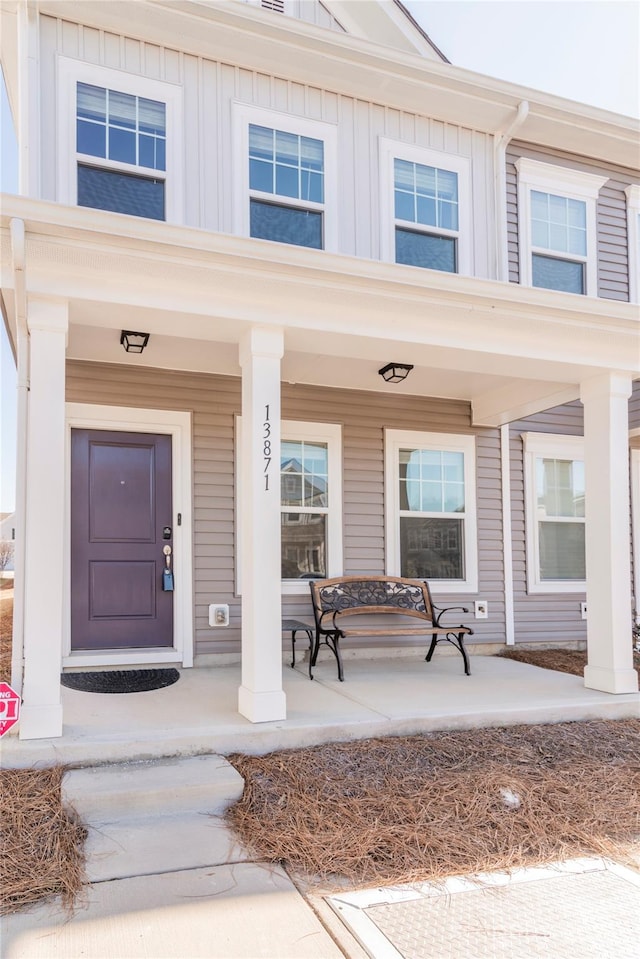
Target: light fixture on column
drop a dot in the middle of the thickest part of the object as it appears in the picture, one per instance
(395, 372)
(133, 342)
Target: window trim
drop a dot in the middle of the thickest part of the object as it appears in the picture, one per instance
(245, 114)
(564, 182)
(331, 434)
(558, 446)
(391, 150)
(633, 232)
(394, 441)
(70, 73)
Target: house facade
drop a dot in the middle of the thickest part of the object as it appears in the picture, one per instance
(233, 216)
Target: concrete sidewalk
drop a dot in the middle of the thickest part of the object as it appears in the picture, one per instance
(235, 911)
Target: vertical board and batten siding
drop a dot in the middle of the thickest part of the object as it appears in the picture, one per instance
(210, 88)
(613, 260)
(214, 401)
(540, 617)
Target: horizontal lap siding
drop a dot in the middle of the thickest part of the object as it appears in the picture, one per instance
(613, 262)
(540, 617)
(215, 400)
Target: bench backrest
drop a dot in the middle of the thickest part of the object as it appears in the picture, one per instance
(371, 594)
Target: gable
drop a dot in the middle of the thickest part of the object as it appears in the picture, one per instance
(386, 22)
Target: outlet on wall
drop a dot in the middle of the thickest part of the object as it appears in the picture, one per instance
(583, 610)
(481, 609)
(219, 614)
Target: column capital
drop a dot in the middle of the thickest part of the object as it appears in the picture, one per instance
(613, 384)
(48, 314)
(261, 341)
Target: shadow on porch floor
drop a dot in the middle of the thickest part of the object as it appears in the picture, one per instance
(380, 697)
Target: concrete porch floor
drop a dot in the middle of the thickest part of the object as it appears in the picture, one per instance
(380, 697)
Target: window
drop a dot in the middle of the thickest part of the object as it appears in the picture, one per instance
(311, 501)
(119, 142)
(425, 208)
(633, 228)
(554, 485)
(287, 188)
(557, 209)
(431, 510)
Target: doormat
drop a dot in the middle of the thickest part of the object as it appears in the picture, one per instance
(120, 680)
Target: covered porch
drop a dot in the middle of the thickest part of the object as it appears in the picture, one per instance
(269, 316)
(385, 696)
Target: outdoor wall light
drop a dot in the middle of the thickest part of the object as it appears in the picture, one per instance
(395, 372)
(133, 342)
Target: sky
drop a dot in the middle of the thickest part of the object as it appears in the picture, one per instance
(585, 50)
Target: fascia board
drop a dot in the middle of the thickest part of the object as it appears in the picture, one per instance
(129, 234)
(349, 65)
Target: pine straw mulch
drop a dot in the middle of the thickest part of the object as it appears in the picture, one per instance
(42, 841)
(563, 660)
(425, 807)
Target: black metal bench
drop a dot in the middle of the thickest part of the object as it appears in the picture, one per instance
(336, 599)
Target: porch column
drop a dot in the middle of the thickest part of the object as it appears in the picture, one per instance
(261, 697)
(47, 321)
(606, 444)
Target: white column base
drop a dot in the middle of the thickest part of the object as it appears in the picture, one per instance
(264, 707)
(611, 680)
(40, 722)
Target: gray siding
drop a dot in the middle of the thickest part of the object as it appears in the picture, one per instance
(540, 617)
(634, 410)
(613, 261)
(215, 400)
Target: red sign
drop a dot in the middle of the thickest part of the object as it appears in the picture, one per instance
(9, 708)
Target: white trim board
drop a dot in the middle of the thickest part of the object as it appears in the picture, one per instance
(178, 426)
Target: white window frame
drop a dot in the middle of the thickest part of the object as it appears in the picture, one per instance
(331, 434)
(564, 182)
(390, 150)
(245, 114)
(70, 73)
(554, 446)
(394, 441)
(633, 232)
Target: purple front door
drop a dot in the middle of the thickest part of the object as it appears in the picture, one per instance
(121, 518)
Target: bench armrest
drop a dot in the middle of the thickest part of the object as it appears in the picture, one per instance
(441, 610)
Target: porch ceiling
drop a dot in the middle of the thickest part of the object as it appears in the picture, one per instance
(507, 349)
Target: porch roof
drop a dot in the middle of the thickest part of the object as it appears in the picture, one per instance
(509, 350)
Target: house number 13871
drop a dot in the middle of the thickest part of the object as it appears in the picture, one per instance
(266, 446)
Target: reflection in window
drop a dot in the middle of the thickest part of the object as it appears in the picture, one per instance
(304, 492)
(120, 129)
(560, 516)
(432, 508)
(289, 166)
(428, 197)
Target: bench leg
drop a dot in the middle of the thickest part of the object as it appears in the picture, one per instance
(434, 643)
(309, 633)
(457, 640)
(332, 641)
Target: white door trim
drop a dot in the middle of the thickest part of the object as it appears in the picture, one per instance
(178, 426)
